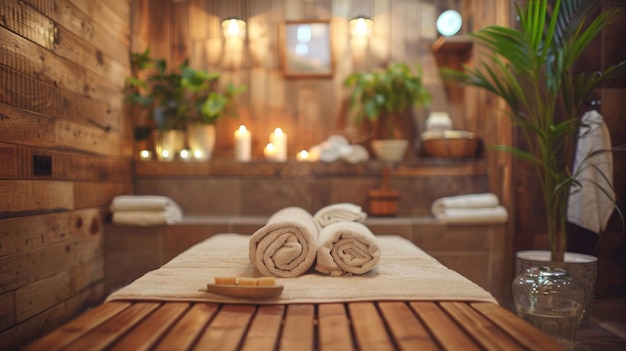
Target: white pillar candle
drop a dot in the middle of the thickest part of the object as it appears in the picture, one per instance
(270, 152)
(145, 155)
(242, 144)
(279, 140)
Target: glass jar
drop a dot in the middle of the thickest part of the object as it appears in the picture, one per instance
(551, 300)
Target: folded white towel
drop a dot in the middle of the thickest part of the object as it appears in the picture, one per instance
(346, 247)
(286, 246)
(464, 201)
(143, 203)
(338, 212)
(591, 205)
(479, 215)
(146, 218)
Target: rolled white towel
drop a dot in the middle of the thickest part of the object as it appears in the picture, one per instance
(146, 218)
(286, 246)
(497, 214)
(464, 201)
(338, 212)
(143, 203)
(346, 248)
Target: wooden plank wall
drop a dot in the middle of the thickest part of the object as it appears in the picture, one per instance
(307, 109)
(62, 70)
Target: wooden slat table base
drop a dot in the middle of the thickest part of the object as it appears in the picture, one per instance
(381, 325)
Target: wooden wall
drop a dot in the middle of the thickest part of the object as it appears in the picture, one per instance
(307, 109)
(62, 70)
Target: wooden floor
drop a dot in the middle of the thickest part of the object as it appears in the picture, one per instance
(607, 330)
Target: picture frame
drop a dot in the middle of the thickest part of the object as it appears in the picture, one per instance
(306, 49)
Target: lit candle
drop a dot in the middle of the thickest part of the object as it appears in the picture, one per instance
(242, 144)
(185, 155)
(198, 155)
(145, 155)
(303, 155)
(270, 151)
(279, 140)
(166, 155)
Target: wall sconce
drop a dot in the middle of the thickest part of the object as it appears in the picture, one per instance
(234, 28)
(361, 26)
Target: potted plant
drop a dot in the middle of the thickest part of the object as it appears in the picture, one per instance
(159, 94)
(207, 106)
(533, 70)
(386, 99)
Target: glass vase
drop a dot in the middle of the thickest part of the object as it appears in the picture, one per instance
(551, 300)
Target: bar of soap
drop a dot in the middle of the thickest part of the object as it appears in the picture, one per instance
(247, 281)
(226, 280)
(266, 281)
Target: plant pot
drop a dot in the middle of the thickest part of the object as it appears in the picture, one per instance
(581, 267)
(390, 149)
(168, 143)
(201, 139)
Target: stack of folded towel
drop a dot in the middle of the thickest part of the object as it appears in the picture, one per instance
(293, 240)
(145, 210)
(470, 209)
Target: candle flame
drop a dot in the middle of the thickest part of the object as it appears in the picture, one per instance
(278, 131)
(242, 128)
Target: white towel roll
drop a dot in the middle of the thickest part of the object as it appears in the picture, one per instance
(346, 248)
(338, 212)
(286, 246)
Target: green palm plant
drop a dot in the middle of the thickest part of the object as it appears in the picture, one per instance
(532, 70)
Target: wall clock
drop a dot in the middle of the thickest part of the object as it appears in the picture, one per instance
(449, 23)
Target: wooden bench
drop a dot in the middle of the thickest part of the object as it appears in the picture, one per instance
(399, 325)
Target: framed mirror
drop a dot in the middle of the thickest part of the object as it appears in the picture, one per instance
(306, 49)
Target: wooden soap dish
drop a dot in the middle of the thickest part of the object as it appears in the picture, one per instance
(247, 291)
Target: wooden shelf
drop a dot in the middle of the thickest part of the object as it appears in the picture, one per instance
(459, 45)
(425, 167)
(452, 51)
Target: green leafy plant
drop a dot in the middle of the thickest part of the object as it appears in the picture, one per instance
(174, 98)
(532, 70)
(156, 91)
(387, 95)
(209, 104)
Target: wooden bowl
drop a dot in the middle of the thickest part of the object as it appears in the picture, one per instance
(450, 147)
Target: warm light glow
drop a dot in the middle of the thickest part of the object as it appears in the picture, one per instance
(185, 155)
(198, 154)
(234, 28)
(303, 155)
(270, 151)
(278, 131)
(361, 26)
(145, 155)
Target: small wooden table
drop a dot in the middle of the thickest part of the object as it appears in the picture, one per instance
(383, 325)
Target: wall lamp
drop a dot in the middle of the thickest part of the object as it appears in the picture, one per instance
(234, 28)
(361, 26)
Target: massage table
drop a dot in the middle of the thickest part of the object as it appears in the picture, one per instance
(310, 314)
